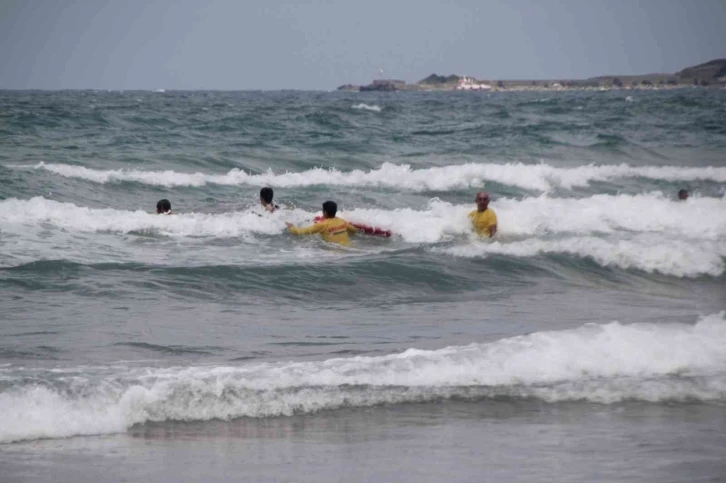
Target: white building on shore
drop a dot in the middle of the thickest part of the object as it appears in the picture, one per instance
(471, 84)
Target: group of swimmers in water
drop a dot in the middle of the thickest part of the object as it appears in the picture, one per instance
(335, 230)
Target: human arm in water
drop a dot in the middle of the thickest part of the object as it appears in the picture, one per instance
(308, 230)
(492, 228)
(349, 227)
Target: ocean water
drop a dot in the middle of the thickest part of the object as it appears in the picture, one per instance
(586, 343)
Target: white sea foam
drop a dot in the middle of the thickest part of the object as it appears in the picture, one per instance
(538, 177)
(698, 218)
(604, 363)
(41, 229)
(647, 253)
(367, 107)
(703, 218)
(71, 217)
(644, 232)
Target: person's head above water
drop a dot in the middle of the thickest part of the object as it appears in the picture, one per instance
(266, 199)
(330, 208)
(163, 207)
(682, 194)
(482, 200)
(266, 196)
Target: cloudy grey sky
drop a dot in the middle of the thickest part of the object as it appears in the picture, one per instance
(318, 44)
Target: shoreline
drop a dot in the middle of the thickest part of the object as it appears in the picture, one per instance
(710, 74)
(540, 88)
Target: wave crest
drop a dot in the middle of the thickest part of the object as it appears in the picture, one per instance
(601, 363)
(367, 107)
(678, 258)
(539, 177)
(644, 232)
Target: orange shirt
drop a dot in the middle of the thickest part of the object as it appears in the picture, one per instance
(334, 230)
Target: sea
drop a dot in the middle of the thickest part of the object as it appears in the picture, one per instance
(586, 342)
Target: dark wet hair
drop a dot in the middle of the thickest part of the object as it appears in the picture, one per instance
(331, 208)
(682, 194)
(163, 206)
(266, 195)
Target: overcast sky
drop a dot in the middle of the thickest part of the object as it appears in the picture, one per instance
(317, 44)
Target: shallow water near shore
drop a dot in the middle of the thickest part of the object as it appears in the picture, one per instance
(586, 343)
(454, 441)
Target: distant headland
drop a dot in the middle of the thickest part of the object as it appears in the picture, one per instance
(709, 74)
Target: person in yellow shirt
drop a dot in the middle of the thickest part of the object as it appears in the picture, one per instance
(332, 229)
(483, 219)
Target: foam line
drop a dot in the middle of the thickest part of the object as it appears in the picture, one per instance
(538, 177)
(604, 363)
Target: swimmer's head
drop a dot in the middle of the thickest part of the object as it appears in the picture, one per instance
(482, 200)
(682, 195)
(330, 208)
(163, 207)
(266, 196)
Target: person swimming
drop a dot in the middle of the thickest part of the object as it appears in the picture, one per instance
(483, 219)
(163, 207)
(266, 195)
(683, 195)
(331, 228)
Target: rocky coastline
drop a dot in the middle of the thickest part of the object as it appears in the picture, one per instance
(710, 74)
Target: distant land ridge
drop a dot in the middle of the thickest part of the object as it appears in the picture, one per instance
(709, 74)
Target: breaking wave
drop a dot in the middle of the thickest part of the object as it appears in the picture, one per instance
(602, 363)
(367, 107)
(643, 232)
(77, 218)
(698, 218)
(678, 258)
(538, 177)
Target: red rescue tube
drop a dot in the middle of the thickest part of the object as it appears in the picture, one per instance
(367, 229)
(372, 230)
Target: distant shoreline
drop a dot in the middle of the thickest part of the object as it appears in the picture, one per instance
(540, 87)
(710, 74)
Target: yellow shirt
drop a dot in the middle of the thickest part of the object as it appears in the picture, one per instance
(332, 230)
(482, 220)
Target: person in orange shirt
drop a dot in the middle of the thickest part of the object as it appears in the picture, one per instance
(483, 219)
(332, 229)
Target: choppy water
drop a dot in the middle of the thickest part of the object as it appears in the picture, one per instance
(601, 291)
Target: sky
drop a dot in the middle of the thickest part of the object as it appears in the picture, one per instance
(319, 45)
